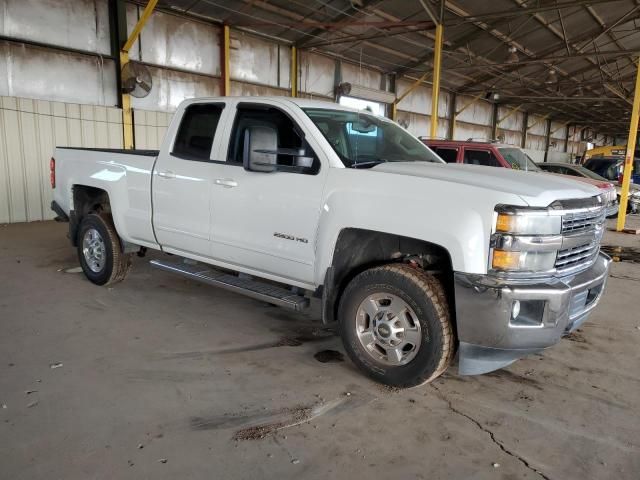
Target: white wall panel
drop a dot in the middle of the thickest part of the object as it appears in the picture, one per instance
(539, 125)
(29, 132)
(34, 72)
(357, 75)
(252, 90)
(465, 131)
(171, 87)
(559, 157)
(536, 155)
(558, 130)
(177, 42)
(150, 128)
(79, 24)
(479, 113)
(510, 121)
(316, 73)
(419, 100)
(253, 59)
(510, 137)
(535, 142)
(420, 125)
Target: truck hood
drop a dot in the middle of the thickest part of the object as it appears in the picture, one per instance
(535, 188)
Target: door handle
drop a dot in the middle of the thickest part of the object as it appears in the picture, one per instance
(167, 174)
(226, 182)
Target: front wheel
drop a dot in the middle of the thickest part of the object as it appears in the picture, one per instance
(395, 325)
(99, 252)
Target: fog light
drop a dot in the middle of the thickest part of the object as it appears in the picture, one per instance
(515, 309)
(527, 313)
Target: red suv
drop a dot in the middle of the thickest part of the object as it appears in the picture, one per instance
(482, 153)
(507, 156)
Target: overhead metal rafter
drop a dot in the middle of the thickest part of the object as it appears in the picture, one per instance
(588, 37)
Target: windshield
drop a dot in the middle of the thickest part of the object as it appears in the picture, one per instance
(362, 140)
(605, 167)
(518, 159)
(587, 173)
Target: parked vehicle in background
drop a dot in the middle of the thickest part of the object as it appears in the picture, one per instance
(618, 151)
(508, 156)
(284, 199)
(482, 153)
(580, 171)
(611, 168)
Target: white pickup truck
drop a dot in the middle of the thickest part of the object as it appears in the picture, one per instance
(285, 199)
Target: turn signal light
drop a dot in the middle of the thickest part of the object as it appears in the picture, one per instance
(504, 260)
(52, 172)
(506, 223)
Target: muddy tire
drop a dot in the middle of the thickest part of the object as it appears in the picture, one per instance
(99, 250)
(395, 325)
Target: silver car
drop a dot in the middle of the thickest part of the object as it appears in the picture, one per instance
(580, 171)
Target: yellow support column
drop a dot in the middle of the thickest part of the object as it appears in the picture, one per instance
(294, 72)
(628, 159)
(437, 61)
(127, 114)
(226, 75)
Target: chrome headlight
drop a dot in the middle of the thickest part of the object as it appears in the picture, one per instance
(525, 240)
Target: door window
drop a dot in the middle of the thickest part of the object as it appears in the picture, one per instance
(291, 141)
(480, 157)
(449, 155)
(196, 131)
(553, 169)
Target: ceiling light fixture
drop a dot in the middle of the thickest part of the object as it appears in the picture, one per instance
(513, 55)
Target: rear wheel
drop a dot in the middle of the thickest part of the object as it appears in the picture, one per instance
(395, 325)
(99, 250)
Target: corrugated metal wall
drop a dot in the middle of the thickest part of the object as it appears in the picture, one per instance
(149, 128)
(29, 131)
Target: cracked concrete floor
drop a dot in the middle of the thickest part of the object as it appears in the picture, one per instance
(160, 377)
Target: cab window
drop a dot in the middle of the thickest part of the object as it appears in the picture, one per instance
(197, 129)
(290, 139)
(480, 157)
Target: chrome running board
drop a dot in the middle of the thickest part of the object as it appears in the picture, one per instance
(257, 289)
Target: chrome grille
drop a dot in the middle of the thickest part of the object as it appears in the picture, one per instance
(587, 225)
(574, 257)
(576, 221)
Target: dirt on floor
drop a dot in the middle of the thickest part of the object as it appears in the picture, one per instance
(161, 377)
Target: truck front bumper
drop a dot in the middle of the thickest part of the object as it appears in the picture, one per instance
(500, 321)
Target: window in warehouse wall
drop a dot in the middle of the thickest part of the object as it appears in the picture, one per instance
(374, 107)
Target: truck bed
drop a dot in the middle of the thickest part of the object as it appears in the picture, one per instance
(124, 175)
(146, 153)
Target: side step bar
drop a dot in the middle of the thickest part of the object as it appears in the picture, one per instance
(263, 291)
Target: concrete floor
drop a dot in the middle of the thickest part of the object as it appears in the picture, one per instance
(160, 377)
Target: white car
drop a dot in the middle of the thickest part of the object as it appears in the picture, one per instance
(284, 199)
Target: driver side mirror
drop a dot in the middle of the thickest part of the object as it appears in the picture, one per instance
(260, 148)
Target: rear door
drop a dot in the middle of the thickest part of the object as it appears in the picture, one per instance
(182, 180)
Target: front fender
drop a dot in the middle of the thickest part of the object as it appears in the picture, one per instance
(457, 217)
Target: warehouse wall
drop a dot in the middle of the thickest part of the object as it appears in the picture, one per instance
(58, 87)
(29, 131)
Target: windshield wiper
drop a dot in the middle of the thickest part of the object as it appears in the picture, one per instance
(371, 163)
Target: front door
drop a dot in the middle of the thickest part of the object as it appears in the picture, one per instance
(182, 182)
(267, 222)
